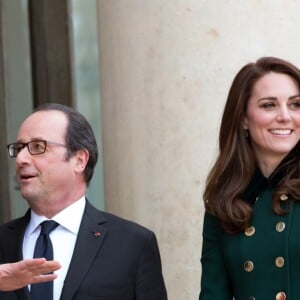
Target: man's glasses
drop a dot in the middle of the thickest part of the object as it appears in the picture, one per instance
(34, 147)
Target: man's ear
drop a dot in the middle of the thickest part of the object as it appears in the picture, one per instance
(81, 159)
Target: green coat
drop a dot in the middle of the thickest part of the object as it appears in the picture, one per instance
(258, 264)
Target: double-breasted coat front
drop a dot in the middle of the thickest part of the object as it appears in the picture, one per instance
(261, 263)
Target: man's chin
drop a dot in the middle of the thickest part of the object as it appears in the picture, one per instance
(28, 196)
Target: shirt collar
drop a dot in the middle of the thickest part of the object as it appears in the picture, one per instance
(75, 210)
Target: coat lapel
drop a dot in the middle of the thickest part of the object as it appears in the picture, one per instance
(14, 244)
(89, 240)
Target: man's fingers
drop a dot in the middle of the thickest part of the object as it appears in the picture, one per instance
(41, 266)
(43, 278)
(16, 275)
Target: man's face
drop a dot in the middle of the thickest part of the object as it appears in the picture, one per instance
(48, 177)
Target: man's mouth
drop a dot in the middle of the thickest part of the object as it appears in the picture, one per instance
(26, 176)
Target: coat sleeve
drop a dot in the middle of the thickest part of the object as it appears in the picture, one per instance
(150, 283)
(215, 282)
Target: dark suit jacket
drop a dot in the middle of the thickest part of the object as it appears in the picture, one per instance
(120, 263)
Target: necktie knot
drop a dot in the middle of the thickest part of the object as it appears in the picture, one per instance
(48, 226)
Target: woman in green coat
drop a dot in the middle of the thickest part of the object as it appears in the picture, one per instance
(251, 230)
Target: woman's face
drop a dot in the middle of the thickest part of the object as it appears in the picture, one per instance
(273, 119)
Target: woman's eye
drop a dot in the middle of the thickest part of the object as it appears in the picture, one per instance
(268, 105)
(295, 104)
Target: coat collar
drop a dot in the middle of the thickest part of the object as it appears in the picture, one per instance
(259, 182)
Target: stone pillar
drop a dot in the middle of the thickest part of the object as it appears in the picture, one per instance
(150, 110)
(166, 67)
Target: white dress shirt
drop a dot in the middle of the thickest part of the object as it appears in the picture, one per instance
(63, 239)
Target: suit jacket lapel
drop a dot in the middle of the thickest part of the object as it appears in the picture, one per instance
(89, 240)
(14, 244)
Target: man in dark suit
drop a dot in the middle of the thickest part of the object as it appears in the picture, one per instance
(102, 256)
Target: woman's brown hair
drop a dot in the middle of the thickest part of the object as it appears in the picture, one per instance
(235, 164)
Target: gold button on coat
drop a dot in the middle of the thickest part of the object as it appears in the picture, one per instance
(250, 231)
(280, 296)
(248, 266)
(280, 226)
(279, 261)
(284, 197)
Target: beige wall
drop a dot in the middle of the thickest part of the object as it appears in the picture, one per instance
(166, 66)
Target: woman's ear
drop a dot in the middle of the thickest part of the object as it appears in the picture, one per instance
(245, 123)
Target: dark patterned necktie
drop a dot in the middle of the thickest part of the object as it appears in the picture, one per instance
(43, 248)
